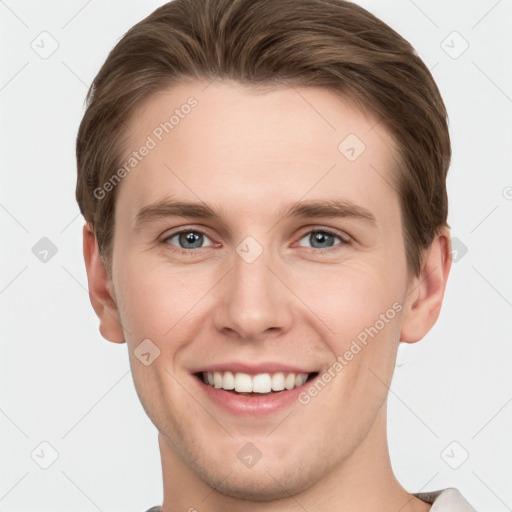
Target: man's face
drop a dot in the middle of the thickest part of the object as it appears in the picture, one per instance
(263, 287)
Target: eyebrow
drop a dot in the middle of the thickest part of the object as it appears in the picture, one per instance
(168, 208)
(302, 209)
(329, 208)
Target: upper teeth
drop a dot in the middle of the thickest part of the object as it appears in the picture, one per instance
(260, 383)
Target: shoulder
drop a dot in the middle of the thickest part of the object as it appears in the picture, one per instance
(154, 509)
(446, 500)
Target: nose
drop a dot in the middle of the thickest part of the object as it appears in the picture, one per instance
(253, 303)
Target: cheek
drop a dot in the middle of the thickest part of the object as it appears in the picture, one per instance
(157, 300)
(352, 298)
(361, 307)
(158, 304)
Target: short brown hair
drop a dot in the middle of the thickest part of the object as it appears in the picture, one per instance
(334, 44)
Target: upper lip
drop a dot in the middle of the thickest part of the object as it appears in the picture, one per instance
(252, 369)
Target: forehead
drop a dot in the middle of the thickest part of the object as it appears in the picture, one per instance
(224, 143)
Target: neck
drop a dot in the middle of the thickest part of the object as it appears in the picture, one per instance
(362, 481)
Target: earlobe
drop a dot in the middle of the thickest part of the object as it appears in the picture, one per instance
(100, 289)
(426, 291)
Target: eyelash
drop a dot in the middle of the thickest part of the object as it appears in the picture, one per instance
(192, 252)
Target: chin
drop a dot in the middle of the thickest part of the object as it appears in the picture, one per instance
(264, 483)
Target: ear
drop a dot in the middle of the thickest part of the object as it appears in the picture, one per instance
(101, 290)
(426, 291)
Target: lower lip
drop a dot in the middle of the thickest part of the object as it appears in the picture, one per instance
(254, 405)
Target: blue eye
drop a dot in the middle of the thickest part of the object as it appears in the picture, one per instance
(320, 239)
(189, 239)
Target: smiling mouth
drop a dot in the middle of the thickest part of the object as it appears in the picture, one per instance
(255, 385)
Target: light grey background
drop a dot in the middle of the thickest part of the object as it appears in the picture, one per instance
(62, 384)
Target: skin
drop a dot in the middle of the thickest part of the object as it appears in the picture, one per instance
(248, 154)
